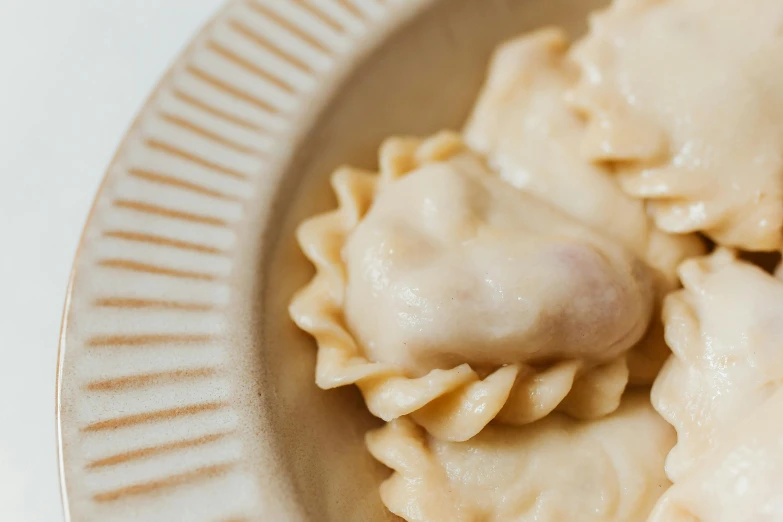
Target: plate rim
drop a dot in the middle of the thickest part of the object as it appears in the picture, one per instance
(393, 13)
(163, 78)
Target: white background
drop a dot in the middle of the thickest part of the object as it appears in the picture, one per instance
(73, 73)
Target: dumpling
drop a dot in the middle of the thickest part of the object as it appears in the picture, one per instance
(532, 138)
(739, 481)
(686, 96)
(529, 134)
(445, 294)
(726, 332)
(555, 470)
(450, 265)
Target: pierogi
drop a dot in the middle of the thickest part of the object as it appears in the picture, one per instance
(726, 333)
(555, 470)
(529, 134)
(503, 298)
(523, 125)
(739, 481)
(686, 97)
(446, 294)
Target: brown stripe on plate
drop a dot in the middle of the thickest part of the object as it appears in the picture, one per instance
(249, 66)
(153, 416)
(214, 111)
(172, 481)
(302, 34)
(262, 42)
(351, 8)
(320, 14)
(194, 128)
(171, 181)
(232, 90)
(173, 150)
(162, 241)
(147, 339)
(161, 304)
(156, 210)
(146, 268)
(150, 379)
(153, 451)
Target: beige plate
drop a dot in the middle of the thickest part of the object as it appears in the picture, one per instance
(185, 393)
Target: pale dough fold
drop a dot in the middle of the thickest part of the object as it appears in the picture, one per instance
(726, 331)
(529, 134)
(451, 266)
(740, 480)
(686, 96)
(555, 470)
(532, 138)
(469, 300)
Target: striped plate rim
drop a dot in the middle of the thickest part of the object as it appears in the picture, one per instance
(147, 424)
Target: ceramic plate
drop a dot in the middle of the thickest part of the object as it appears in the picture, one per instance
(185, 392)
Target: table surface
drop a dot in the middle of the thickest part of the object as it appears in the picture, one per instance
(74, 74)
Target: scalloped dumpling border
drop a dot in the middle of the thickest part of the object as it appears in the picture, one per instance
(453, 404)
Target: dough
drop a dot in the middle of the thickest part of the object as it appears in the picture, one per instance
(452, 266)
(523, 125)
(686, 97)
(739, 481)
(726, 332)
(555, 470)
(493, 303)
(447, 295)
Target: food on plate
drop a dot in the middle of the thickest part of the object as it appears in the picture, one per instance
(450, 266)
(557, 469)
(721, 390)
(444, 293)
(503, 298)
(522, 123)
(739, 481)
(686, 97)
(726, 333)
